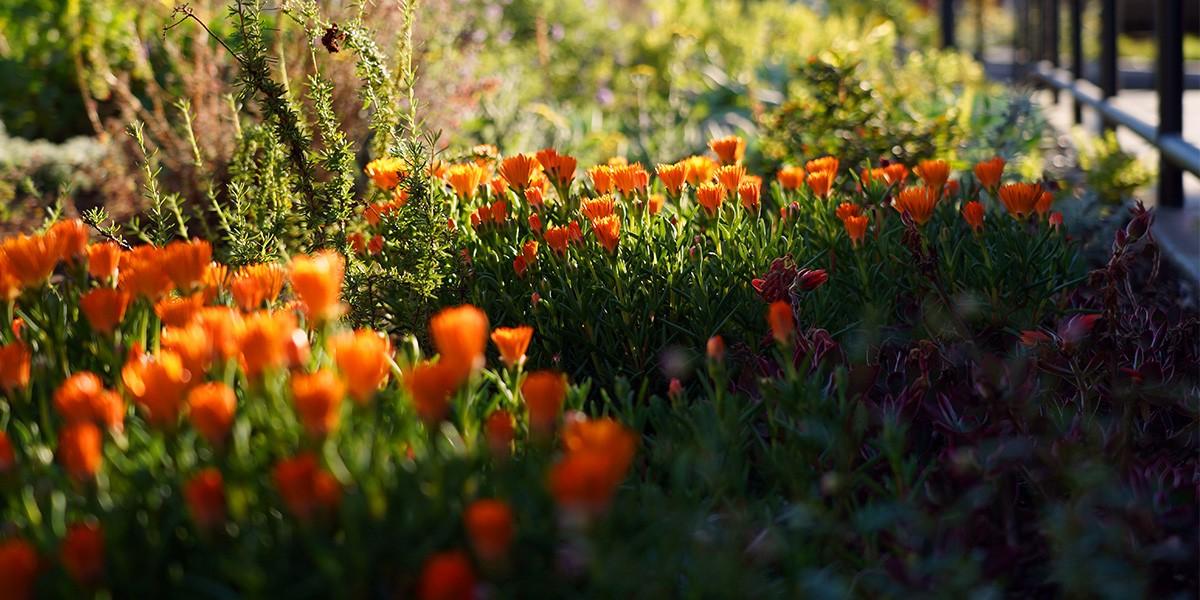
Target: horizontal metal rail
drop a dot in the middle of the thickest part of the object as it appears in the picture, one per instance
(1172, 146)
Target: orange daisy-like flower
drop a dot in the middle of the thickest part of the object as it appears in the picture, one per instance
(222, 324)
(193, 346)
(185, 263)
(31, 259)
(1043, 204)
(630, 179)
(730, 176)
(464, 179)
(14, 366)
(518, 170)
(500, 429)
(512, 342)
(935, 173)
(856, 228)
(318, 400)
(672, 176)
(602, 178)
(893, 174)
(430, 385)
(560, 167)
(103, 260)
(544, 392)
(317, 282)
(655, 203)
(142, 274)
(460, 334)
(205, 497)
(386, 173)
(104, 308)
(70, 236)
(598, 455)
(447, 576)
(80, 447)
(608, 232)
(252, 286)
(211, 408)
(989, 173)
(1020, 199)
(177, 311)
(558, 238)
(824, 164)
(157, 384)
(848, 209)
(263, 339)
(820, 182)
(710, 196)
(729, 149)
(307, 490)
(489, 524)
(917, 202)
(749, 191)
(82, 553)
(362, 357)
(973, 213)
(779, 317)
(597, 208)
(700, 169)
(534, 196)
(75, 397)
(790, 177)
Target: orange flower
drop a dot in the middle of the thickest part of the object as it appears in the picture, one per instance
(608, 232)
(263, 341)
(518, 170)
(918, 202)
(8, 458)
(655, 203)
(14, 366)
(729, 149)
(317, 282)
(362, 357)
(307, 490)
(529, 251)
(10, 286)
(489, 524)
(559, 166)
(520, 265)
(700, 169)
(141, 272)
(544, 392)
(856, 228)
(205, 497)
(498, 186)
(824, 164)
(78, 398)
(18, 568)
(972, 213)
(820, 182)
(460, 334)
(848, 209)
(715, 348)
(82, 553)
(465, 179)
(779, 317)
(672, 177)
(176, 311)
(70, 237)
(710, 196)
(1020, 199)
(103, 260)
(500, 431)
(749, 191)
(599, 453)
(512, 342)
(597, 208)
(222, 324)
(157, 384)
(447, 576)
(730, 176)
(535, 196)
(31, 259)
(934, 173)
(602, 178)
(1043, 204)
(211, 408)
(386, 173)
(630, 179)
(80, 449)
(430, 384)
(791, 178)
(104, 308)
(215, 280)
(499, 212)
(185, 263)
(255, 285)
(558, 238)
(989, 173)
(893, 174)
(318, 399)
(193, 346)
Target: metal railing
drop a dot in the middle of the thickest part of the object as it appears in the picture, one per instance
(1036, 53)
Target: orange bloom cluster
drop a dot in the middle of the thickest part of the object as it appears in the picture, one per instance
(252, 286)
(526, 258)
(307, 490)
(972, 213)
(700, 169)
(893, 174)
(608, 232)
(856, 228)
(730, 176)
(630, 179)
(495, 213)
(317, 283)
(318, 401)
(749, 190)
(157, 384)
(917, 202)
(81, 398)
(82, 553)
(602, 178)
(1020, 199)
(598, 208)
(729, 149)
(821, 174)
(211, 408)
(597, 455)
(673, 176)
(489, 524)
(791, 177)
(386, 173)
(512, 342)
(935, 174)
(561, 237)
(362, 356)
(519, 171)
(104, 308)
(560, 168)
(989, 173)
(464, 179)
(375, 212)
(544, 392)
(710, 196)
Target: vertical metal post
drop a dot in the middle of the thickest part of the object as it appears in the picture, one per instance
(1077, 54)
(980, 6)
(1108, 53)
(947, 15)
(1169, 31)
(1025, 25)
(1050, 16)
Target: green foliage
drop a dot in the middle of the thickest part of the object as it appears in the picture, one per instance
(1111, 172)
